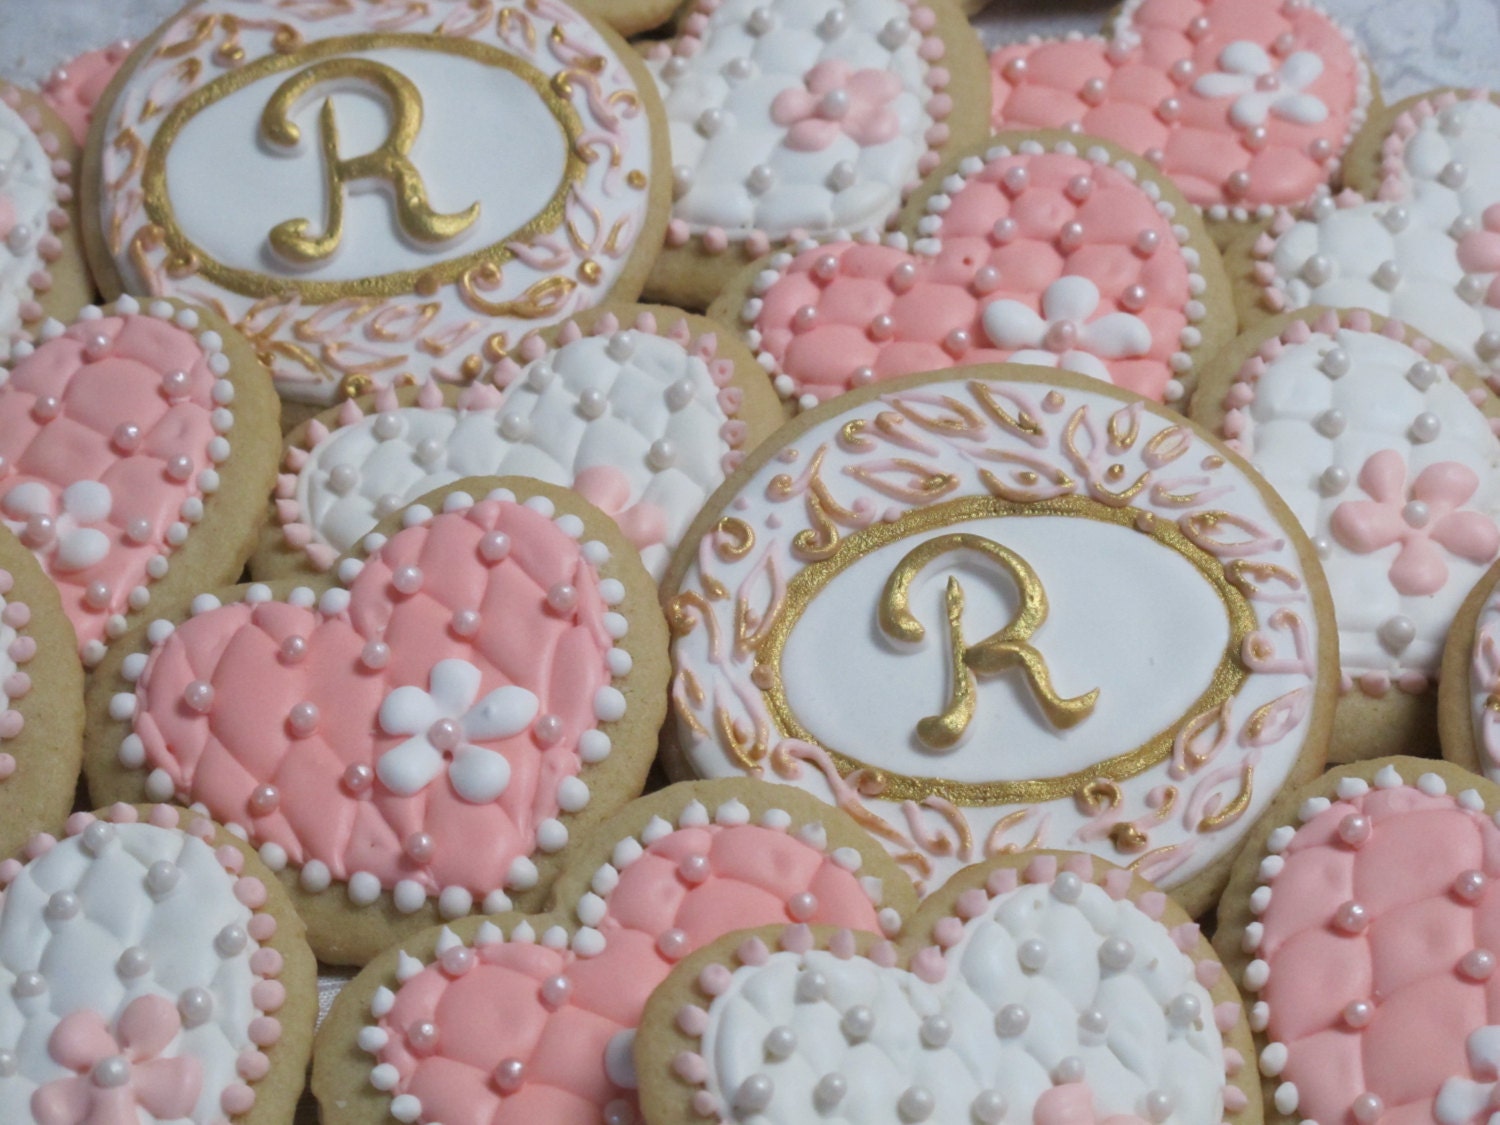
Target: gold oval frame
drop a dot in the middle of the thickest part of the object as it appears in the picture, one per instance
(1229, 675)
(249, 283)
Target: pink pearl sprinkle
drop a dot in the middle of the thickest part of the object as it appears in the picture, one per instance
(375, 655)
(419, 846)
(199, 696)
(1477, 964)
(293, 649)
(548, 729)
(1368, 1108)
(175, 384)
(509, 1075)
(457, 961)
(1354, 829)
(358, 778)
(1469, 886)
(180, 467)
(802, 906)
(466, 622)
(264, 800)
(561, 598)
(423, 1037)
(673, 945)
(494, 546)
(303, 717)
(693, 868)
(38, 531)
(555, 992)
(127, 437)
(445, 734)
(1351, 918)
(407, 579)
(1359, 1013)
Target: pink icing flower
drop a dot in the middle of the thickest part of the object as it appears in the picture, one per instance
(1073, 1104)
(608, 489)
(119, 1072)
(837, 99)
(1064, 336)
(1479, 252)
(1425, 520)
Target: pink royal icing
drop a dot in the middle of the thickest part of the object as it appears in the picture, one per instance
(1246, 104)
(110, 432)
(1375, 948)
(519, 1032)
(74, 89)
(1051, 258)
(424, 726)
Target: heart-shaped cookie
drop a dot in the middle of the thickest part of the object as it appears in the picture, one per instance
(154, 971)
(1364, 918)
(530, 1019)
(422, 732)
(642, 411)
(135, 449)
(1386, 450)
(1417, 238)
(1055, 989)
(793, 119)
(1058, 252)
(41, 265)
(1247, 104)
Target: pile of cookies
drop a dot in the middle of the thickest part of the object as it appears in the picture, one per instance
(784, 571)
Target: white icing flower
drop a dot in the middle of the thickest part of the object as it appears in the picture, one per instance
(1247, 74)
(445, 723)
(66, 534)
(1064, 336)
(1461, 1100)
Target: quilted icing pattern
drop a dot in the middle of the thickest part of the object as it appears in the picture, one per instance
(1029, 998)
(1140, 88)
(1405, 864)
(1423, 250)
(689, 886)
(642, 410)
(117, 910)
(264, 662)
(1006, 230)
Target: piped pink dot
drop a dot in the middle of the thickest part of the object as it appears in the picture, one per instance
(230, 858)
(753, 951)
(928, 965)
(16, 614)
(11, 724)
(457, 961)
(692, 1020)
(672, 945)
(268, 995)
(266, 963)
(714, 980)
(252, 1065)
(237, 1099)
(264, 1031)
(9, 869)
(162, 816)
(262, 927)
(251, 892)
(1354, 829)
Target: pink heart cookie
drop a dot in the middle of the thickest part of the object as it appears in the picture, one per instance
(428, 732)
(1060, 254)
(154, 972)
(533, 1019)
(1247, 104)
(1364, 919)
(1011, 996)
(135, 446)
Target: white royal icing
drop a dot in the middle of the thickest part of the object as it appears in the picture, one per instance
(1399, 256)
(731, 163)
(488, 134)
(658, 422)
(80, 957)
(1126, 1033)
(28, 196)
(1322, 408)
(755, 610)
(1484, 686)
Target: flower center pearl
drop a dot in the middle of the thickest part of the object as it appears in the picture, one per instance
(113, 1071)
(1268, 83)
(444, 735)
(1061, 336)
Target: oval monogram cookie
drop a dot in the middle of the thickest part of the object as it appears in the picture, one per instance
(378, 192)
(993, 610)
(519, 1019)
(1385, 448)
(421, 733)
(1057, 990)
(153, 972)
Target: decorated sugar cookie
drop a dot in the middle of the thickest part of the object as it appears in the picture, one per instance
(531, 1019)
(1361, 922)
(154, 971)
(135, 447)
(1468, 714)
(1057, 990)
(41, 701)
(1417, 237)
(1385, 449)
(73, 90)
(417, 735)
(1247, 105)
(799, 119)
(41, 264)
(643, 411)
(1002, 609)
(1056, 251)
(380, 193)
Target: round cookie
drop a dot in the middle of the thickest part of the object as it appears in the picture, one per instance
(642, 410)
(1416, 236)
(42, 271)
(1054, 988)
(136, 447)
(524, 155)
(1247, 105)
(452, 1026)
(798, 119)
(1470, 679)
(1014, 558)
(73, 90)
(1361, 918)
(629, 17)
(154, 971)
(417, 734)
(41, 701)
(1386, 450)
(1048, 249)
